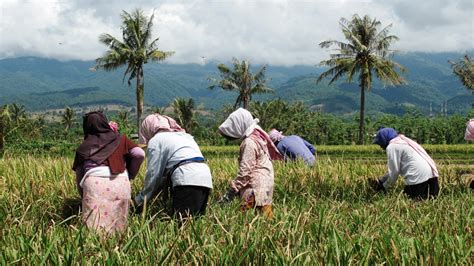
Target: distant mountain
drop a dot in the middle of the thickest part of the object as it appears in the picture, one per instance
(42, 84)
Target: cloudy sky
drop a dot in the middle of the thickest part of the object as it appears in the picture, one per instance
(263, 31)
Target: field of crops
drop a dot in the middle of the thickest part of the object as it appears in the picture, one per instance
(323, 215)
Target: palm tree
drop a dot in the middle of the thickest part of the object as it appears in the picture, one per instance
(68, 118)
(136, 49)
(240, 79)
(464, 69)
(365, 53)
(184, 113)
(17, 113)
(123, 117)
(158, 110)
(271, 113)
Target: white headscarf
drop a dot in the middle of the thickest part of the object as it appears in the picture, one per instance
(239, 124)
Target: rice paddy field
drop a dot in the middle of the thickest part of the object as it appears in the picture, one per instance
(324, 214)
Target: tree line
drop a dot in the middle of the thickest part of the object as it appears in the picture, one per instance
(19, 129)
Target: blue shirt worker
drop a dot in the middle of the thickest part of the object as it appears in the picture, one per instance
(293, 147)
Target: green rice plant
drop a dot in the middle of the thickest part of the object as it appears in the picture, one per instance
(325, 214)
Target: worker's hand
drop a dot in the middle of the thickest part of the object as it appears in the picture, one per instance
(136, 208)
(376, 185)
(228, 196)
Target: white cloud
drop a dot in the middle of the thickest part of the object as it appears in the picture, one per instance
(263, 31)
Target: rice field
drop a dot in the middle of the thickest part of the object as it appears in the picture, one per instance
(325, 214)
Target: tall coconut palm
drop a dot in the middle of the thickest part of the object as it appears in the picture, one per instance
(240, 79)
(365, 53)
(184, 113)
(136, 49)
(464, 69)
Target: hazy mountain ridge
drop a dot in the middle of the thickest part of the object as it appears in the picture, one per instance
(40, 84)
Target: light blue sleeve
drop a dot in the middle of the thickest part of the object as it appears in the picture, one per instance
(284, 151)
(154, 177)
(311, 148)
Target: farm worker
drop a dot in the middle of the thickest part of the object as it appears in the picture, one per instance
(409, 159)
(469, 136)
(174, 159)
(293, 147)
(255, 178)
(104, 164)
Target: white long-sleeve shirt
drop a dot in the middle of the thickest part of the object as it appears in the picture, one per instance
(164, 151)
(405, 161)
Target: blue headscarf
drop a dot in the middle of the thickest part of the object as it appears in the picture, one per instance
(384, 136)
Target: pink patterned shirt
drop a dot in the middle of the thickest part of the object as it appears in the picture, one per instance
(255, 176)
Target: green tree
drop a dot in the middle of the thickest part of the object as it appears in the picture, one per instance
(241, 79)
(184, 113)
(68, 118)
(365, 53)
(5, 118)
(271, 114)
(136, 49)
(123, 117)
(158, 110)
(17, 113)
(464, 69)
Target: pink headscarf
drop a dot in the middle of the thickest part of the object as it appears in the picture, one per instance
(275, 135)
(469, 130)
(240, 124)
(155, 123)
(401, 139)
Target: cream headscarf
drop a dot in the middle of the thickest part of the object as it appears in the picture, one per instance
(240, 124)
(155, 123)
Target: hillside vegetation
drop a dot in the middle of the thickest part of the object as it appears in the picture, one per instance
(41, 84)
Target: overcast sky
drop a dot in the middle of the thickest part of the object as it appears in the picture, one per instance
(263, 31)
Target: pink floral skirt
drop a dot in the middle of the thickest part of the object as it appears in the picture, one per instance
(105, 202)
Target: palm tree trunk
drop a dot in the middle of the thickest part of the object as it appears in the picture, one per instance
(236, 104)
(246, 102)
(139, 92)
(362, 112)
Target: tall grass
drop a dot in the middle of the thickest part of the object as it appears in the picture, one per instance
(325, 214)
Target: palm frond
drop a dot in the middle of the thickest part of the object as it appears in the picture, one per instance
(156, 55)
(260, 75)
(146, 35)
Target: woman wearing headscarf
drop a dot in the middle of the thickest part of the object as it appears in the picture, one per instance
(469, 136)
(174, 158)
(407, 158)
(293, 147)
(255, 178)
(104, 163)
